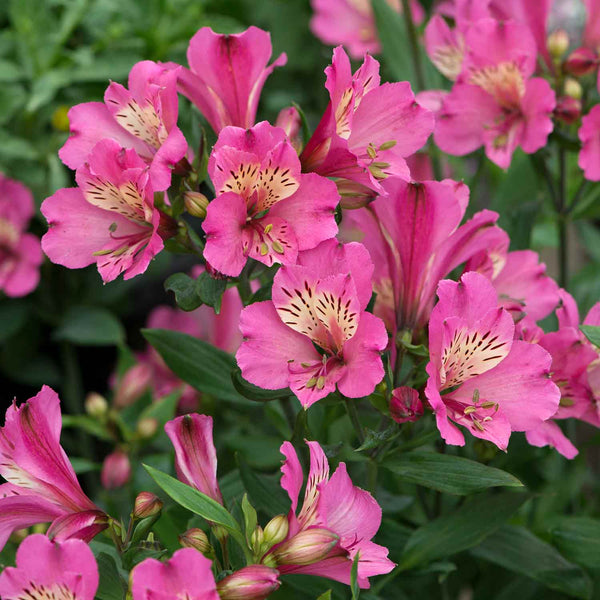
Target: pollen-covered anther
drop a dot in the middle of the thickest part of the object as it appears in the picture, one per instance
(320, 382)
(269, 228)
(388, 145)
(469, 409)
(311, 382)
(277, 247)
(477, 424)
(264, 249)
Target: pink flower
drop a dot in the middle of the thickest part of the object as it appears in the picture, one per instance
(20, 252)
(368, 129)
(110, 219)
(143, 118)
(116, 470)
(479, 376)
(352, 23)
(320, 302)
(333, 504)
(524, 289)
(576, 372)
(496, 102)
(405, 405)
(414, 238)
(48, 569)
(589, 134)
(254, 582)
(195, 454)
(41, 484)
(264, 208)
(226, 75)
(187, 574)
(445, 46)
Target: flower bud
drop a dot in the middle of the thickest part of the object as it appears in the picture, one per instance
(146, 505)
(276, 530)
(96, 405)
(405, 405)
(567, 110)
(132, 385)
(147, 427)
(257, 538)
(573, 88)
(195, 203)
(581, 62)
(254, 582)
(558, 43)
(354, 195)
(306, 547)
(197, 539)
(116, 470)
(290, 121)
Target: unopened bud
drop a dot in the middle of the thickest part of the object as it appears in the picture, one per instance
(257, 537)
(306, 547)
(96, 405)
(573, 88)
(581, 62)
(567, 109)
(558, 43)
(195, 203)
(290, 121)
(116, 470)
(147, 427)
(146, 505)
(254, 582)
(276, 530)
(354, 195)
(405, 405)
(197, 539)
(132, 385)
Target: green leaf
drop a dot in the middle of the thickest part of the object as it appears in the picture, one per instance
(517, 549)
(578, 538)
(592, 333)
(196, 362)
(111, 585)
(83, 465)
(90, 326)
(250, 517)
(447, 473)
(374, 439)
(211, 290)
(264, 490)
(253, 392)
(196, 501)
(162, 410)
(354, 587)
(186, 290)
(13, 315)
(87, 424)
(466, 527)
(325, 596)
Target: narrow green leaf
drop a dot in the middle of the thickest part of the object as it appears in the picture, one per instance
(592, 333)
(250, 517)
(90, 326)
(449, 474)
(468, 526)
(196, 362)
(518, 550)
(196, 501)
(325, 596)
(264, 490)
(111, 586)
(186, 290)
(83, 465)
(87, 424)
(578, 538)
(354, 587)
(253, 392)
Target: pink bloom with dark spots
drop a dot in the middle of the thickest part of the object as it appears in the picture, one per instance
(20, 252)
(479, 376)
(41, 484)
(110, 220)
(264, 207)
(320, 302)
(226, 75)
(368, 129)
(46, 569)
(143, 118)
(332, 504)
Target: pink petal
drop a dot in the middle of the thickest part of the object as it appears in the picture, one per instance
(550, 434)
(589, 134)
(537, 105)
(292, 475)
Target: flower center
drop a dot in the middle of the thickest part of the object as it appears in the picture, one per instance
(9, 234)
(503, 81)
(58, 591)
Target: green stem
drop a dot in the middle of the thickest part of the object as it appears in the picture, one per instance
(414, 46)
(563, 222)
(354, 419)
(288, 411)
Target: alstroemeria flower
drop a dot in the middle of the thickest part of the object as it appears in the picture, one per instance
(318, 303)
(195, 454)
(524, 289)
(351, 23)
(41, 484)
(54, 570)
(589, 135)
(415, 239)
(496, 102)
(265, 208)
(576, 372)
(187, 574)
(143, 117)
(333, 504)
(479, 376)
(110, 220)
(20, 252)
(368, 129)
(226, 75)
